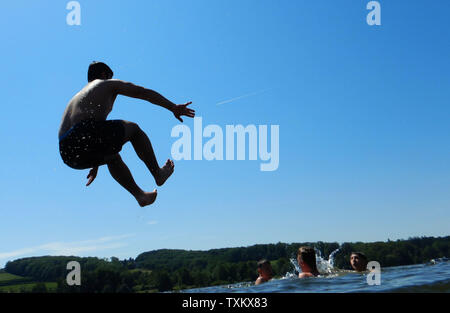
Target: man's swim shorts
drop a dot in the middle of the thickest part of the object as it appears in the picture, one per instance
(89, 143)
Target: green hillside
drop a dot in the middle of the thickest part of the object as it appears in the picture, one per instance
(14, 283)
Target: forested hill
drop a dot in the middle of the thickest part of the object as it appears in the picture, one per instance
(390, 253)
(168, 269)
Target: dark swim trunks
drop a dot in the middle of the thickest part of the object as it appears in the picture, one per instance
(87, 143)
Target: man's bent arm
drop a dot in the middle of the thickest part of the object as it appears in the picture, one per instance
(134, 91)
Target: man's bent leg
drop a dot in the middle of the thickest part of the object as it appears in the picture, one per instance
(143, 147)
(120, 172)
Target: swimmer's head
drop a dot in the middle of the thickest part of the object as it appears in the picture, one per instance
(99, 70)
(306, 258)
(265, 269)
(358, 261)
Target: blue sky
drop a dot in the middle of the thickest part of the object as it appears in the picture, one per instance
(363, 113)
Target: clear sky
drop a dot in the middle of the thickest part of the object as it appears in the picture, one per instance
(363, 113)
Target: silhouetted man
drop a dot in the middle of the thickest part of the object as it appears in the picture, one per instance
(88, 140)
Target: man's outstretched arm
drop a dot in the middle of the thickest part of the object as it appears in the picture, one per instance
(134, 91)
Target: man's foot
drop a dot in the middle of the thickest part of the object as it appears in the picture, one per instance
(147, 198)
(165, 172)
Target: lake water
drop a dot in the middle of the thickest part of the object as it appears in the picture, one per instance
(431, 277)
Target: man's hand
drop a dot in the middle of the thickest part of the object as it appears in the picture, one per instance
(182, 109)
(92, 174)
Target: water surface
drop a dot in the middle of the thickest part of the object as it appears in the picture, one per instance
(430, 277)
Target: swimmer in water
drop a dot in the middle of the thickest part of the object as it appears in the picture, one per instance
(265, 272)
(358, 261)
(306, 258)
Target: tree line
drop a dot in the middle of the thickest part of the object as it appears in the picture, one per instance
(165, 270)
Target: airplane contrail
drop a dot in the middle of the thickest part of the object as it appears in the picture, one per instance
(240, 97)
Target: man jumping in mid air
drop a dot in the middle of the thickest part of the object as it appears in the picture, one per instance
(88, 140)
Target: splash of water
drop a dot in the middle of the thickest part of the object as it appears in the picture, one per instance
(439, 260)
(295, 271)
(332, 255)
(323, 266)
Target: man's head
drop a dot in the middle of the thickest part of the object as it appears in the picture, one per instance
(358, 261)
(99, 70)
(306, 258)
(265, 269)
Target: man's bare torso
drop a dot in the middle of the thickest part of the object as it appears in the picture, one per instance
(94, 101)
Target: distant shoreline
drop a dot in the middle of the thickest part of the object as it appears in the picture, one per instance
(176, 269)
